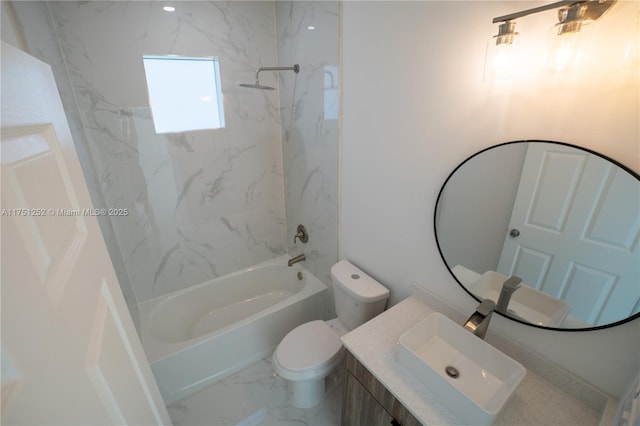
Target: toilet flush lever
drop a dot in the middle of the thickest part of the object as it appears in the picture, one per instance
(301, 234)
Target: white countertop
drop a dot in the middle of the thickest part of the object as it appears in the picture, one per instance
(536, 401)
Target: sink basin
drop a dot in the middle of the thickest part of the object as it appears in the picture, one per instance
(486, 377)
(527, 304)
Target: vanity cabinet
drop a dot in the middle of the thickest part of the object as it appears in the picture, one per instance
(367, 402)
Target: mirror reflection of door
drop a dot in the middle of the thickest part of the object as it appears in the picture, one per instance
(565, 246)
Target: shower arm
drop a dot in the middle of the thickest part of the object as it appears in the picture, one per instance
(295, 68)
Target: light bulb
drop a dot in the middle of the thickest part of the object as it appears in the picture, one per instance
(500, 59)
(569, 39)
(503, 60)
(567, 50)
(563, 54)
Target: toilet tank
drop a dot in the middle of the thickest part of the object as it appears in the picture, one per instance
(358, 297)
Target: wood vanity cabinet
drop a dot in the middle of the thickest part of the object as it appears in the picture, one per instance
(366, 402)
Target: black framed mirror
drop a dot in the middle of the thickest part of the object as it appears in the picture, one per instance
(563, 220)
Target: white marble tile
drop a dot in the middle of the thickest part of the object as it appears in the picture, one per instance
(308, 35)
(203, 203)
(253, 396)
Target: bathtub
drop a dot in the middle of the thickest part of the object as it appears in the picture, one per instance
(201, 334)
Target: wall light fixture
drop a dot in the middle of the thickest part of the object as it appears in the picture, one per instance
(501, 50)
(567, 44)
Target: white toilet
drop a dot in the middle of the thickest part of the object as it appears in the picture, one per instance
(311, 352)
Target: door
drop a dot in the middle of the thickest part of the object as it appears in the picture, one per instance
(576, 243)
(70, 353)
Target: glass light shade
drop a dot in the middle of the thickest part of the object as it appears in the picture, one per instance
(501, 58)
(568, 45)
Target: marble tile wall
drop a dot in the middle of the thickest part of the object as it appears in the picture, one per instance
(308, 34)
(39, 36)
(203, 203)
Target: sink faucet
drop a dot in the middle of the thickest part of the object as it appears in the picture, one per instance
(508, 288)
(298, 258)
(478, 322)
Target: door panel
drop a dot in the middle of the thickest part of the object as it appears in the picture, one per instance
(32, 177)
(532, 266)
(589, 289)
(70, 352)
(554, 190)
(611, 223)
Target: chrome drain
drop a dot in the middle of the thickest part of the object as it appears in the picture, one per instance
(452, 372)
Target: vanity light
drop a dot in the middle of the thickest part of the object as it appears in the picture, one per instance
(567, 50)
(568, 40)
(571, 19)
(501, 50)
(169, 9)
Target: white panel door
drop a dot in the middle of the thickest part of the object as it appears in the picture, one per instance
(577, 243)
(70, 353)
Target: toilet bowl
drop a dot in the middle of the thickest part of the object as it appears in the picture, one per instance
(309, 357)
(306, 357)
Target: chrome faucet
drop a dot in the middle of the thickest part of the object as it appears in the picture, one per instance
(298, 258)
(478, 322)
(508, 288)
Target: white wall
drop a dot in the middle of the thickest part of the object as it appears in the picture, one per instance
(415, 105)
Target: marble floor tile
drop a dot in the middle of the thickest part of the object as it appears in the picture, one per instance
(253, 396)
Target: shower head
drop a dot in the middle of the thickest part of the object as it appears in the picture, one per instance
(257, 85)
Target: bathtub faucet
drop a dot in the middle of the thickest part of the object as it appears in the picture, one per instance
(298, 258)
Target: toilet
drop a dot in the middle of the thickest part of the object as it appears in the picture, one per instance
(310, 355)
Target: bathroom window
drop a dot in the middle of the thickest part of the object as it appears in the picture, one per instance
(184, 93)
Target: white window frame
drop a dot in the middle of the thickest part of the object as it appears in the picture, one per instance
(183, 94)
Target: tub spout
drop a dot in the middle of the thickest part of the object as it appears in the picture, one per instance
(298, 258)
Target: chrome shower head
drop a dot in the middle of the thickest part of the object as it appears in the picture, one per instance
(257, 85)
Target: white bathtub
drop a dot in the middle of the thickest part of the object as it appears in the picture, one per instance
(201, 334)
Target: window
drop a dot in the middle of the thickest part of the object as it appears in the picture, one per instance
(184, 93)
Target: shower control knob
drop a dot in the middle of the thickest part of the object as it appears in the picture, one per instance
(514, 233)
(301, 234)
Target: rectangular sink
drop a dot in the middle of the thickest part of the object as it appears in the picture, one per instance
(486, 377)
(527, 303)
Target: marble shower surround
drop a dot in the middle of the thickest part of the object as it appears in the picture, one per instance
(201, 204)
(308, 34)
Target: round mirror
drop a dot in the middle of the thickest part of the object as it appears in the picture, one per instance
(547, 230)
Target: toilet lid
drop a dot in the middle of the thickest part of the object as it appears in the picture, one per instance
(310, 345)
